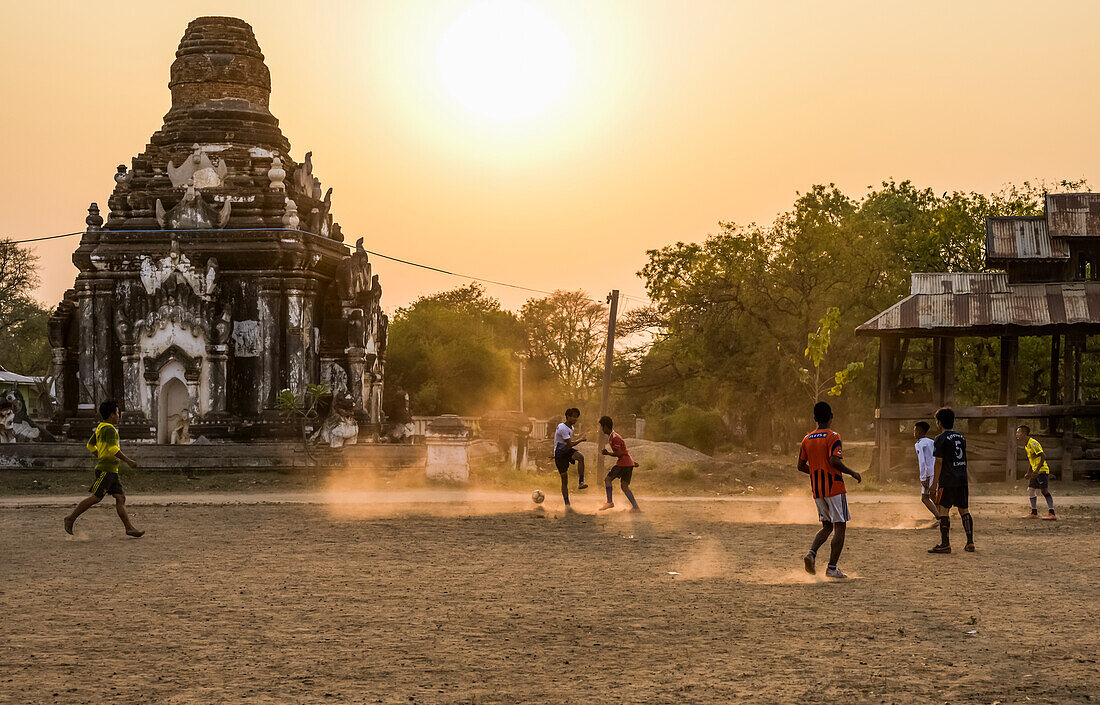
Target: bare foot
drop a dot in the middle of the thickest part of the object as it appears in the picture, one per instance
(136, 533)
(69, 521)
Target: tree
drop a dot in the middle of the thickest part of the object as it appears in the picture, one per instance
(452, 352)
(724, 307)
(24, 346)
(17, 278)
(567, 332)
(816, 383)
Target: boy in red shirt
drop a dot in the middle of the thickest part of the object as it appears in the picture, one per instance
(624, 466)
(821, 458)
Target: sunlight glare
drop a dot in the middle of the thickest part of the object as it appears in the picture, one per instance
(504, 59)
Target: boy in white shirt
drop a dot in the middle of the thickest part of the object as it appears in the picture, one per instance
(566, 454)
(926, 463)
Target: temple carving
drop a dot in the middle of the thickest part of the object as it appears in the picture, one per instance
(219, 277)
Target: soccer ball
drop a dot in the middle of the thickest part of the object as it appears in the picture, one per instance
(537, 496)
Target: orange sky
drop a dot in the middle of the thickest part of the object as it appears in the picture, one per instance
(678, 115)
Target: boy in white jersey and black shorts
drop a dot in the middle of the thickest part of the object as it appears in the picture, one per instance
(565, 453)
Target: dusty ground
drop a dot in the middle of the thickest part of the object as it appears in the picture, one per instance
(364, 603)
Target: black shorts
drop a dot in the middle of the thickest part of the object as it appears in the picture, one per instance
(564, 459)
(1039, 481)
(959, 497)
(106, 483)
(623, 473)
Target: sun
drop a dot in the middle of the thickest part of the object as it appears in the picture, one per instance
(504, 59)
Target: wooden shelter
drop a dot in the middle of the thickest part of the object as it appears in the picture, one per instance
(1046, 299)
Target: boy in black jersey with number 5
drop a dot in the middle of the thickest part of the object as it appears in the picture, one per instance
(949, 483)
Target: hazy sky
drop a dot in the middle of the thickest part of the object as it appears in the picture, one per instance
(657, 119)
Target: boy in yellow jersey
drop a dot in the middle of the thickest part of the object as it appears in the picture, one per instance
(104, 444)
(1039, 475)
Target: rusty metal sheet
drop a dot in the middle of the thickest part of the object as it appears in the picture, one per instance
(1073, 214)
(1077, 309)
(1014, 238)
(1021, 305)
(958, 283)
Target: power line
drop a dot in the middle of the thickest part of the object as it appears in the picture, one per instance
(399, 260)
(47, 237)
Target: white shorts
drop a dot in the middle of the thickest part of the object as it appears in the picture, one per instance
(833, 509)
(925, 484)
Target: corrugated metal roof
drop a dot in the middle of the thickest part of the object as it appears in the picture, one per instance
(1073, 214)
(1022, 238)
(13, 378)
(958, 282)
(987, 301)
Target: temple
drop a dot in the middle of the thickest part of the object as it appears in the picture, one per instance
(219, 277)
(1039, 317)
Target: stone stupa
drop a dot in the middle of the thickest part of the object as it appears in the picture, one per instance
(219, 277)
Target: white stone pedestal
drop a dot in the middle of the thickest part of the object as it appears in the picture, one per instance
(447, 441)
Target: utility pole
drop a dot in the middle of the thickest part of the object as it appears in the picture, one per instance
(608, 360)
(522, 357)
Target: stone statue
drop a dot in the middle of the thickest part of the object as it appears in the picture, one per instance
(123, 177)
(192, 213)
(340, 427)
(211, 276)
(198, 170)
(402, 429)
(290, 215)
(181, 428)
(7, 420)
(308, 184)
(16, 422)
(357, 329)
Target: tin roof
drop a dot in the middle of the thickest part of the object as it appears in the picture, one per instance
(1016, 238)
(15, 378)
(948, 302)
(1073, 214)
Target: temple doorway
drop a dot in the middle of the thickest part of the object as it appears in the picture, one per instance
(174, 405)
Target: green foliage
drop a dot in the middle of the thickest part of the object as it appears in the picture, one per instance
(452, 352)
(566, 333)
(723, 308)
(24, 347)
(669, 420)
(817, 345)
(305, 406)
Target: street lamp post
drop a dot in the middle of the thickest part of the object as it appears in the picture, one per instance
(522, 358)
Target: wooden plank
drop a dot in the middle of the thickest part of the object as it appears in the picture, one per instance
(1010, 348)
(949, 371)
(993, 411)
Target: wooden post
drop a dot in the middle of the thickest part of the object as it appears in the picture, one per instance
(1055, 392)
(1069, 397)
(1010, 348)
(886, 354)
(949, 371)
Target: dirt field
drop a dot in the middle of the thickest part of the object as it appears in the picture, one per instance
(366, 603)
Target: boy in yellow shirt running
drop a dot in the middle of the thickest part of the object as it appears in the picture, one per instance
(1039, 475)
(104, 445)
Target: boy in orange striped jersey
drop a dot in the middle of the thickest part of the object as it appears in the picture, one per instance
(821, 457)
